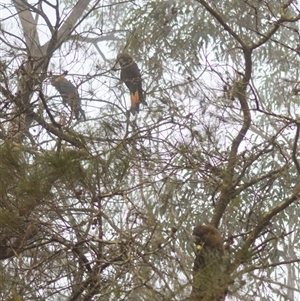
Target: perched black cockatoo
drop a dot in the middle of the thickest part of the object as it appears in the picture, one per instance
(131, 76)
(69, 94)
(209, 279)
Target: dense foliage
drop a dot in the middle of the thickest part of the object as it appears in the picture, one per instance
(104, 208)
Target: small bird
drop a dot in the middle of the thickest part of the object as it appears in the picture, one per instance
(209, 272)
(69, 94)
(131, 76)
(209, 237)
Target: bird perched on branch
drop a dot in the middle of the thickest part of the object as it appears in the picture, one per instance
(69, 94)
(209, 279)
(131, 76)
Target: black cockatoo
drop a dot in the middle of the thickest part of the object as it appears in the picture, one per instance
(209, 273)
(131, 76)
(69, 94)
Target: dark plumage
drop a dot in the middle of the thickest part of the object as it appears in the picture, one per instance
(69, 94)
(209, 279)
(209, 237)
(131, 76)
